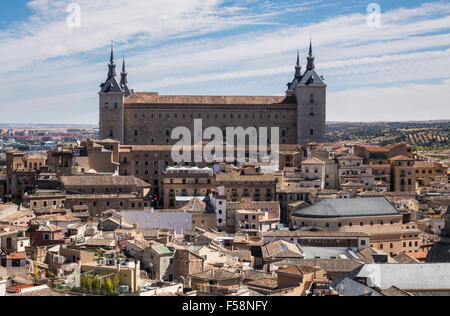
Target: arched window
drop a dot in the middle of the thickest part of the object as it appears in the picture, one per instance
(311, 132)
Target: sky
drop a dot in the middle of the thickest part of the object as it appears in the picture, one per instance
(394, 70)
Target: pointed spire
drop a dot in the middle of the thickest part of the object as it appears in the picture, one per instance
(123, 75)
(310, 46)
(310, 58)
(112, 52)
(298, 68)
(112, 64)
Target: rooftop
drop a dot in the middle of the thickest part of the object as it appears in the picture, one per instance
(334, 208)
(155, 98)
(103, 180)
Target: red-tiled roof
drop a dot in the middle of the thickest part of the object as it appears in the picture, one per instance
(401, 158)
(376, 148)
(155, 98)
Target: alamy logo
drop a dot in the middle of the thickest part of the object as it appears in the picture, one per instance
(233, 147)
(374, 15)
(74, 18)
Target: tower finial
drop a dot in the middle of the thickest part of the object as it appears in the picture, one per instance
(112, 52)
(298, 68)
(310, 58)
(112, 64)
(310, 46)
(123, 75)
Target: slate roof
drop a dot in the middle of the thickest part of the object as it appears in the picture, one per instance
(111, 85)
(311, 77)
(405, 276)
(334, 208)
(349, 287)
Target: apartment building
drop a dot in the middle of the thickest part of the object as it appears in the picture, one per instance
(403, 173)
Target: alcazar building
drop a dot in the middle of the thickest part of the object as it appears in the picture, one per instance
(147, 118)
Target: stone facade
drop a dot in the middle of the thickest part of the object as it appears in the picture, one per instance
(149, 118)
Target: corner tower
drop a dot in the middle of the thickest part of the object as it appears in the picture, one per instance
(310, 91)
(111, 102)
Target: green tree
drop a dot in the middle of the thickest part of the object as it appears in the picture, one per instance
(89, 284)
(115, 283)
(84, 282)
(97, 285)
(104, 285)
(109, 286)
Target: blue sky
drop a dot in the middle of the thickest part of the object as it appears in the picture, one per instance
(50, 73)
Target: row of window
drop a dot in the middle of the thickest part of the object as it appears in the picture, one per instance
(216, 116)
(168, 132)
(349, 224)
(121, 203)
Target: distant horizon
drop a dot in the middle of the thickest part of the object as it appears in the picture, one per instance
(328, 122)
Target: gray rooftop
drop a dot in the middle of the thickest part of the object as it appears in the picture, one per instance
(332, 208)
(405, 276)
(325, 253)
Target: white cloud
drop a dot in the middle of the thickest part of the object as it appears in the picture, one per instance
(42, 66)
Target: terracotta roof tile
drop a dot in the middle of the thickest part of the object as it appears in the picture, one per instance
(155, 98)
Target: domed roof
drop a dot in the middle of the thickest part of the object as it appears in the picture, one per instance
(362, 207)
